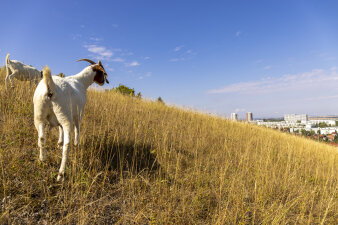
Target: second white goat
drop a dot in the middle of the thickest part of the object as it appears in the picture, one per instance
(60, 102)
(20, 71)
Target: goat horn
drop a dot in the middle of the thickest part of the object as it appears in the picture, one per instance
(88, 60)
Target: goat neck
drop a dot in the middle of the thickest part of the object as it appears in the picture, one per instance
(86, 76)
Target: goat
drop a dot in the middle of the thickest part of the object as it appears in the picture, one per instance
(60, 102)
(20, 71)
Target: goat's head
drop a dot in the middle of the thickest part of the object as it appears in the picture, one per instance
(101, 75)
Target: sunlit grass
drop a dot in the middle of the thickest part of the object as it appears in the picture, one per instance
(143, 162)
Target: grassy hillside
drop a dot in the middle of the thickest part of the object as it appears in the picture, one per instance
(143, 162)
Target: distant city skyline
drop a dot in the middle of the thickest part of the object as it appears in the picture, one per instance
(243, 116)
(266, 57)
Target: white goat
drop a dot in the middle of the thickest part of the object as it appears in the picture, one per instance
(20, 71)
(60, 102)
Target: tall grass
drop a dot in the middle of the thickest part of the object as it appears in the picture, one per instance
(143, 162)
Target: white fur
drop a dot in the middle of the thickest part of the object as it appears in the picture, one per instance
(60, 102)
(20, 71)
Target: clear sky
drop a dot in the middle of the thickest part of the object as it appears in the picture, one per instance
(267, 57)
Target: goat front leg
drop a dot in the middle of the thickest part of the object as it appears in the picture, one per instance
(42, 141)
(10, 78)
(65, 151)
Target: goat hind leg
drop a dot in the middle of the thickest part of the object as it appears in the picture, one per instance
(65, 152)
(42, 141)
(11, 78)
(6, 81)
(76, 133)
(8, 73)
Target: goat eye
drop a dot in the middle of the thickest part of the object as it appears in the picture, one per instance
(49, 95)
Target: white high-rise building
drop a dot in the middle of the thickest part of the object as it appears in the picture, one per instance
(295, 117)
(249, 116)
(234, 116)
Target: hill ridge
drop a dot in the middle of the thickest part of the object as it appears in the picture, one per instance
(144, 162)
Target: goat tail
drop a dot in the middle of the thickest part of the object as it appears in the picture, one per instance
(47, 77)
(7, 62)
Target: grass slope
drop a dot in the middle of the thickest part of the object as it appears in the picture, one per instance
(143, 162)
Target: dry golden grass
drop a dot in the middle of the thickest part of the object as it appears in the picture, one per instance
(146, 163)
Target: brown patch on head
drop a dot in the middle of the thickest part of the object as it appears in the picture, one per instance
(100, 74)
(105, 74)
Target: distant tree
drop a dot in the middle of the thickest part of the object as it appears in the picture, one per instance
(335, 139)
(273, 119)
(125, 90)
(159, 99)
(62, 75)
(336, 122)
(309, 133)
(322, 125)
(139, 95)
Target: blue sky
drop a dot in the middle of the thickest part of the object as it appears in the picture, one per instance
(267, 57)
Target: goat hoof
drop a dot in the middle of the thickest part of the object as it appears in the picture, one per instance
(60, 178)
(42, 158)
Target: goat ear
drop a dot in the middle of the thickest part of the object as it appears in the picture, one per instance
(99, 62)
